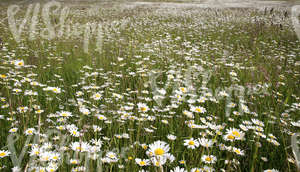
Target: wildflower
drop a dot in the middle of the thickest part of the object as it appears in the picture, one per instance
(19, 63)
(178, 169)
(142, 107)
(39, 111)
(56, 90)
(85, 111)
(158, 161)
(188, 114)
(206, 142)
(74, 132)
(234, 134)
(196, 170)
(142, 162)
(35, 151)
(258, 122)
(16, 169)
(158, 148)
(198, 109)
(45, 156)
(65, 114)
(191, 143)
(182, 162)
(101, 117)
(13, 130)
(271, 170)
(96, 96)
(209, 159)
(30, 131)
(22, 109)
(238, 151)
(79, 93)
(74, 161)
(4, 153)
(171, 137)
(112, 157)
(3, 76)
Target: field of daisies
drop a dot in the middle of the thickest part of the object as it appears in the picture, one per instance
(157, 87)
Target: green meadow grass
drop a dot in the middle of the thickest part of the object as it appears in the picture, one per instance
(137, 40)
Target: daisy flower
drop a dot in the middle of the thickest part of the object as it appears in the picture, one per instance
(171, 137)
(112, 156)
(188, 114)
(178, 169)
(271, 170)
(191, 143)
(158, 148)
(238, 151)
(96, 96)
(142, 162)
(208, 159)
(13, 130)
(206, 142)
(74, 132)
(85, 111)
(65, 114)
(56, 90)
(158, 161)
(196, 170)
(4, 153)
(234, 134)
(142, 107)
(198, 109)
(74, 161)
(101, 117)
(30, 131)
(182, 162)
(19, 63)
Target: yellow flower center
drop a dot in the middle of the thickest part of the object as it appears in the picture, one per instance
(237, 134)
(231, 137)
(142, 163)
(143, 109)
(2, 154)
(159, 151)
(191, 142)
(237, 151)
(198, 110)
(208, 159)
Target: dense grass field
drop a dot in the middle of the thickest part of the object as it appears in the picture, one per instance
(141, 86)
